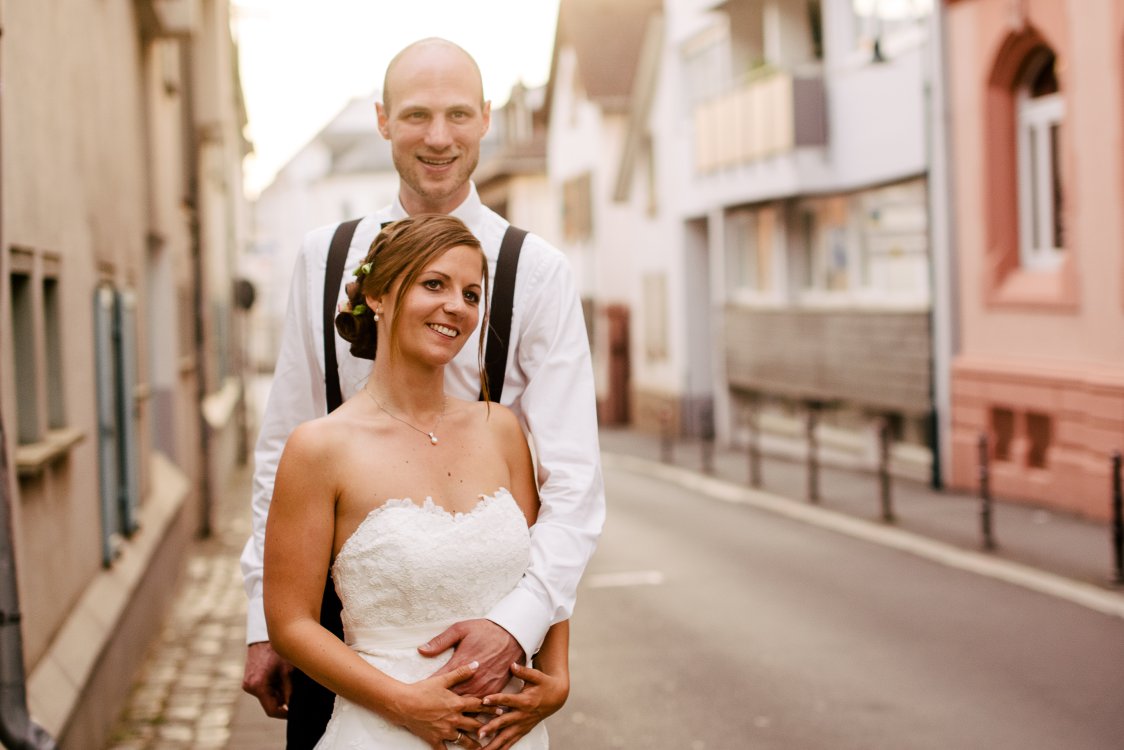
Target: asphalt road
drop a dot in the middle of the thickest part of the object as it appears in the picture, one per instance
(703, 625)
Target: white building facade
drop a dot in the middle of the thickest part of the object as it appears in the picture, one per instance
(342, 173)
(761, 211)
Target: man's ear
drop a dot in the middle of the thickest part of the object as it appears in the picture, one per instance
(384, 120)
(486, 116)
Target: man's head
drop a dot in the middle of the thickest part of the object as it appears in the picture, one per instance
(434, 115)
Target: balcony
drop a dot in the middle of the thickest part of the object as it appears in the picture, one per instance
(772, 112)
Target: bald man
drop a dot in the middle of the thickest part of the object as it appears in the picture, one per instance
(434, 114)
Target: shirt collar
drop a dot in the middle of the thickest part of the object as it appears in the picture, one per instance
(470, 211)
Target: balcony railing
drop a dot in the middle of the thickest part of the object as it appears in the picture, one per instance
(772, 112)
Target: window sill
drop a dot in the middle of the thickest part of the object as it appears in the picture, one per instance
(33, 458)
(752, 299)
(859, 301)
(1032, 289)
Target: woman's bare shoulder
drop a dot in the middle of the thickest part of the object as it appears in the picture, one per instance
(318, 439)
(506, 429)
(489, 421)
(499, 418)
(475, 411)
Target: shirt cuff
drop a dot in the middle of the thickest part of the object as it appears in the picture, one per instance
(256, 630)
(523, 615)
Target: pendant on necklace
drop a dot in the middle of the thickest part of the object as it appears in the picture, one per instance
(432, 438)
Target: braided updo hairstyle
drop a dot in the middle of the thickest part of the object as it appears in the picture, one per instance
(399, 253)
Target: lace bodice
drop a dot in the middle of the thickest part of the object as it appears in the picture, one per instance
(405, 574)
(408, 564)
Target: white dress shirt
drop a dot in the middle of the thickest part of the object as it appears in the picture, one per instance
(548, 384)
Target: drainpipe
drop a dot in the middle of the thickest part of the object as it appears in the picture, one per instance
(191, 155)
(944, 295)
(17, 730)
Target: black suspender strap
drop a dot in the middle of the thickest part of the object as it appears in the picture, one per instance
(333, 276)
(499, 325)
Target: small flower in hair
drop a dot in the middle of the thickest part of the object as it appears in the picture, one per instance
(359, 309)
(362, 270)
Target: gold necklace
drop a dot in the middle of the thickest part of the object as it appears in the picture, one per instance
(432, 437)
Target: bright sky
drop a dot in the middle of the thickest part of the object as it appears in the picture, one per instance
(303, 60)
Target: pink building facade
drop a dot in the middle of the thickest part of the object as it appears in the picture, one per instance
(1036, 93)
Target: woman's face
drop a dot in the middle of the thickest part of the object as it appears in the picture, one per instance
(439, 310)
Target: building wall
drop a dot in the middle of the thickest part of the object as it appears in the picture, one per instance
(598, 235)
(74, 195)
(96, 203)
(1041, 366)
(531, 203)
(632, 267)
(819, 159)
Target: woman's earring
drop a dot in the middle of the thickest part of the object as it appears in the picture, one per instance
(376, 316)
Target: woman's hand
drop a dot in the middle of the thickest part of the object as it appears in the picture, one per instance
(433, 712)
(542, 695)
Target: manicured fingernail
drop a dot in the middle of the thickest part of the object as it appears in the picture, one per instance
(473, 665)
(487, 701)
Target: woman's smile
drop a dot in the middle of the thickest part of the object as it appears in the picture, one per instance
(444, 330)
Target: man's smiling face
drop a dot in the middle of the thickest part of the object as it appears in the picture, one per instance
(434, 116)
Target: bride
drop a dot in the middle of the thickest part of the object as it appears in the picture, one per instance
(419, 505)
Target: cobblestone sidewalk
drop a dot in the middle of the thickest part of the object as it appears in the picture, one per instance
(190, 686)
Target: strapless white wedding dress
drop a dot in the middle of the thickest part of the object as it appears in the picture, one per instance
(407, 573)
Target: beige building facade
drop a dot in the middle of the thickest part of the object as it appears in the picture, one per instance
(122, 213)
(1037, 99)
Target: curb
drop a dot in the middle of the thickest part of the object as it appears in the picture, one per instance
(1040, 581)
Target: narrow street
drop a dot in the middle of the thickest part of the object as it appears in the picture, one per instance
(189, 694)
(708, 625)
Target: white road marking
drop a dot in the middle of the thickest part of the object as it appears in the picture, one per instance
(627, 578)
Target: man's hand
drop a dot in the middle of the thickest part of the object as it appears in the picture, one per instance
(266, 677)
(481, 641)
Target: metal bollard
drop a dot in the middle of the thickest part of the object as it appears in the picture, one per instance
(813, 454)
(706, 419)
(884, 470)
(985, 496)
(666, 439)
(754, 448)
(1117, 519)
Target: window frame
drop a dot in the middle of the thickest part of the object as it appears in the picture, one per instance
(44, 435)
(1007, 282)
(755, 247)
(1038, 121)
(577, 208)
(893, 33)
(822, 243)
(116, 362)
(24, 306)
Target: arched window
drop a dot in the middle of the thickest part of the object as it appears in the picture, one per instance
(1040, 110)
